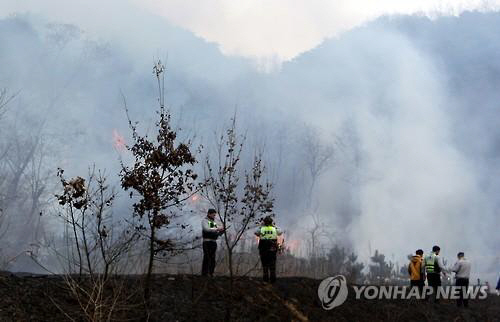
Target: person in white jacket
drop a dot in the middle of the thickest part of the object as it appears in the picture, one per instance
(210, 233)
(462, 273)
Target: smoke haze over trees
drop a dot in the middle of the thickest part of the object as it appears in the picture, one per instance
(409, 106)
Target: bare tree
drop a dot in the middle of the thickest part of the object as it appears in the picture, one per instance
(5, 98)
(163, 178)
(24, 177)
(94, 242)
(318, 157)
(95, 246)
(241, 196)
(316, 232)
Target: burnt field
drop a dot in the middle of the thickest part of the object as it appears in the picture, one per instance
(193, 298)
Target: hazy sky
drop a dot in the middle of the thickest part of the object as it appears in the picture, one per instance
(281, 29)
(269, 31)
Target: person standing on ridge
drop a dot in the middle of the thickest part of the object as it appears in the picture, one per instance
(268, 247)
(462, 274)
(416, 269)
(210, 233)
(433, 267)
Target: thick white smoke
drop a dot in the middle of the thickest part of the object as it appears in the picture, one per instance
(415, 185)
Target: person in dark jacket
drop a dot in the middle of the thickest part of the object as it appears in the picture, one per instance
(268, 248)
(416, 269)
(210, 233)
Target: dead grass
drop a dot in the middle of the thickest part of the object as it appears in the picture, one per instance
(193, 298)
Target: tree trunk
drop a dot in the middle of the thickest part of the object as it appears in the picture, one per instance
(147, 286)
(230, 262)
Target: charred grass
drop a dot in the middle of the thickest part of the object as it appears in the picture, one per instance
(193, 298)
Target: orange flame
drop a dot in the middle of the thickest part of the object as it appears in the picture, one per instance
(118, 141)
(293, 245)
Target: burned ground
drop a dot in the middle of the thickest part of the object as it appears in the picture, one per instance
(193, 298)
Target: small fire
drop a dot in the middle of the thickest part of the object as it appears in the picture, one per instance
(281, 240)
(118, 141)
(195, 198)
(293, 245)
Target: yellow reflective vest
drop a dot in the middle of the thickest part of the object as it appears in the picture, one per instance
(268, 233)
(430, 263)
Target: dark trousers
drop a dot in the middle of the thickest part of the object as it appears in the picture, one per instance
(464, 285)
(208, 266)
(418, 284)
(434, 281)
(268, 259)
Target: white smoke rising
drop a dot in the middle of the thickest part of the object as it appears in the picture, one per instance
(417, 187)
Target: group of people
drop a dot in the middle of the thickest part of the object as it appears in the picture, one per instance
(431, 267)
(268, 245)
(420, 268)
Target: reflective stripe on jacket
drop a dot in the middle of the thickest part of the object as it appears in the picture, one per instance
(431, 265)
(209, 229)
(268, 232)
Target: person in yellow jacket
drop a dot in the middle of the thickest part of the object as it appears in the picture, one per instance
(268, 247)
(416, 269)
